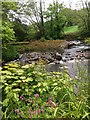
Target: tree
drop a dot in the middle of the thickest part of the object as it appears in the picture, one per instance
(7, 27)
(21, 30)
(71, 16)
(33, 12)
(55, 20)
(84, 14)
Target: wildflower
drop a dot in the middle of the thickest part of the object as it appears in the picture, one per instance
(57, 104)
(33, 101)
(30, 116)
(42, 107)
(29, 110)
(38, 111)
(17, 111)
(37, 105)
(52, 104)
(21, 97)
(47, 103)
(34, 112)
(21, 114)
(42, 111)
(28, 100)
(36, 95)
(50, 99)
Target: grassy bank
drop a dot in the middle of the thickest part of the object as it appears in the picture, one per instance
(71, 33)
(71, 29)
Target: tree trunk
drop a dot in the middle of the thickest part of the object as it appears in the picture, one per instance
(42, 32)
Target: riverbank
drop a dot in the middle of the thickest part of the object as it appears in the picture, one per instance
(43, 46)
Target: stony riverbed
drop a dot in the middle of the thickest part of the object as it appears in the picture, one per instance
(76, 53)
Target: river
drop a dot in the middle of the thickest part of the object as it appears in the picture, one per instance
(74, 58)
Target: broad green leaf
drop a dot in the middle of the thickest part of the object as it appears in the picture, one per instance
(5, 102)
(16, 90)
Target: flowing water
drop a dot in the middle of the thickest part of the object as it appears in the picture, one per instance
(73, 58)
(76, 56)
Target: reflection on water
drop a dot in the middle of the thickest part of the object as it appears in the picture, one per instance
(75, 65)
(53, 67)
(72, 66)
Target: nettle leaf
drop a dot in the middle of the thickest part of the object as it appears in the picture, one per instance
(55, 84)
(16, 90)
(2, 79)
(29, 74)
(40, 90)
(30, 79)
(5, 72)
(15, 65)
(12, 69)
(45, 84)
(15, 77)
(14, 84)
(8, 77)
(7, 89)
(22, 77)
(19, 72)
(6, 67)
(16, 96)
(26, 66)
(39, 84)
(18, 81)
(5, 84)
(5, 102)
(34, 86)
(26, 90)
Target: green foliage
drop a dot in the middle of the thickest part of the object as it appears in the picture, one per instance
(42, 39)
(21, 30)
(9, 53)
(71, 16)
(31, 92)
(7, 27)
(71, 29)
(84, 15)
(87, 40)
(55, 21)
(7, 34)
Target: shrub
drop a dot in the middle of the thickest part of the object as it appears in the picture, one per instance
(87, 40)
(31, 92)
(9, 53)
(42, 39)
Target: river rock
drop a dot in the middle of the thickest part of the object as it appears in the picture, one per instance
(49, 58)
(64, 59)
(71, 58)
(58, 56)
(87, 56)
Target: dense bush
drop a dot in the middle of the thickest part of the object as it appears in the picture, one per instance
(31, 92)
(9, 53)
